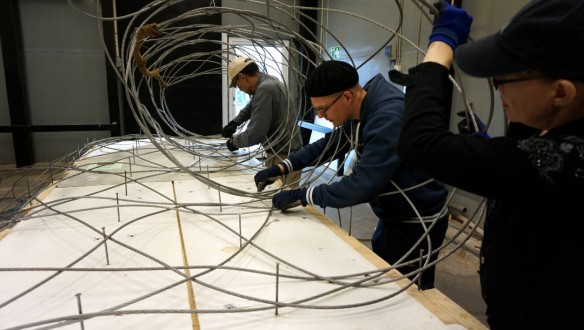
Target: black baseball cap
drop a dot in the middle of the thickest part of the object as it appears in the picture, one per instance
(331, 77)
(545, 35)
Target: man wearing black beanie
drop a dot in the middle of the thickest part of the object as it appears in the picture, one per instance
(367, 120)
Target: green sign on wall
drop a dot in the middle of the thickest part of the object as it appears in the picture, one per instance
(335, 52)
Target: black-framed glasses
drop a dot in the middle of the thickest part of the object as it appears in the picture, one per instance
(325, 109)
(498, 81)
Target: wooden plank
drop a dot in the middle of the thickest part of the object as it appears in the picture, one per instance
(306, 245)
(444, 308)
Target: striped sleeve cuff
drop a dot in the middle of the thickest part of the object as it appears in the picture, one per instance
(309, 195)
(288, 165)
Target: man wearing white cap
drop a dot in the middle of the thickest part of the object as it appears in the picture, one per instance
(271, 122)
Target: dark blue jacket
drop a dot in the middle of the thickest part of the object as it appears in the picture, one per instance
(378, 168)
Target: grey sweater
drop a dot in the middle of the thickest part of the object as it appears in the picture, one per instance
(271, 121)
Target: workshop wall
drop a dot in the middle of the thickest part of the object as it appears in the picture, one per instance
(7, 153)
(362, 39)
(66, 75)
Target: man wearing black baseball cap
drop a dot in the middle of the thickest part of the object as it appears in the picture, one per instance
(367, 120)
(531, 257)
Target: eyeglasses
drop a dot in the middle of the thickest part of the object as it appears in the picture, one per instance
(498, 82)
(325, 109)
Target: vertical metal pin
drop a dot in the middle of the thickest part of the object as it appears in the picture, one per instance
(29, 194)
(200, 169)
(220, 204)
(340, 220)
(350, 220)
(51, 172)
(130, 163)
(421, 271)
(105, 245)
(277, 285)
(78, 295)
(240, 237)
(208, 176)
(268, 7)
(126, 182)
(118, 203)
(134, 154)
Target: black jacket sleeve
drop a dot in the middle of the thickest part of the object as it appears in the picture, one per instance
(478, 165)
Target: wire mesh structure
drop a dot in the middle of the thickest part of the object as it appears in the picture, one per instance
(146, 64)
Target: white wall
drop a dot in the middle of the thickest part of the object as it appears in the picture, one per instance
(488, 17)
(361, 39)
(65, 65)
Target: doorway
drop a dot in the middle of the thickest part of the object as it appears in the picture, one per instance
(271, 59)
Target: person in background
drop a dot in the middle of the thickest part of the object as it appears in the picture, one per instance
(367, 119)
(531, 256)
(271, 122)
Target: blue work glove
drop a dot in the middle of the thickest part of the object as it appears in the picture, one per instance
(465, 126)
(229, 129)
(266, 177)
(230, 145)
(452, 25)
(287, 199)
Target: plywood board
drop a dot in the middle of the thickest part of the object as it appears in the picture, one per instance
(250, 267)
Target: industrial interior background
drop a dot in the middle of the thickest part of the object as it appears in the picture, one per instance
(59, 91)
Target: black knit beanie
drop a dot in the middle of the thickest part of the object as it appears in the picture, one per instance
(331, 77)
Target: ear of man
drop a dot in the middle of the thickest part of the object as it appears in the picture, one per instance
(565, 92)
